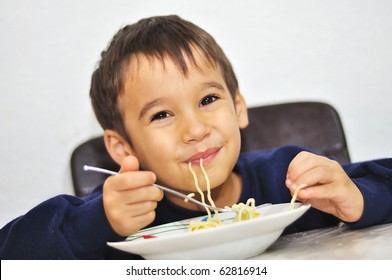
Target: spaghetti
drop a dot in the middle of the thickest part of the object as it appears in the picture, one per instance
(211, 221)
(188, 196)
(294, 198)
(245, 211)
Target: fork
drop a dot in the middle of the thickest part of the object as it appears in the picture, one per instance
(109, 172)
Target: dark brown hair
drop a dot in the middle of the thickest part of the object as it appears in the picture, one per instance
(156, 37)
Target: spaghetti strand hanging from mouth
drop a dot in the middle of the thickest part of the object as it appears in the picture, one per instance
(245, 211)
(208, 185)
(199, 190)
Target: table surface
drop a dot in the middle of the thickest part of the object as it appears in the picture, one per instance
(335, 243)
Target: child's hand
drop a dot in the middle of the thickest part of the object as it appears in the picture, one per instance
(329, 189)
(129, 199)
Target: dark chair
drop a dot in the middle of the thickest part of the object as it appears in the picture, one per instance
(313, 125)
(92, 152)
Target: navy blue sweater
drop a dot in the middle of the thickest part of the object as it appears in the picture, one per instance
(68, 227)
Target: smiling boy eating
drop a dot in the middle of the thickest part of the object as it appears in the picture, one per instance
(166, 96)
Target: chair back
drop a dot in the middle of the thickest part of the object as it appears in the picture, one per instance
(92, 152)
(313, 125)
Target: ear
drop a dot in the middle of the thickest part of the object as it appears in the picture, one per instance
(116, 146)
(241, 110)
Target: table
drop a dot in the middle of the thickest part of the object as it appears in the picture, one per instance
(335, 243)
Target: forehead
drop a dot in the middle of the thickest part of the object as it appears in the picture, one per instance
(146, 77)
(183, 62)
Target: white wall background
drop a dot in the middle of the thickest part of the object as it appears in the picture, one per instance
(334, 51)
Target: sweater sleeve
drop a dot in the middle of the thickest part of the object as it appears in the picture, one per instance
(63, 227)
(374, 180)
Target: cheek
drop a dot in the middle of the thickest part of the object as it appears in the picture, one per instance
(227, 124)
(154, 153)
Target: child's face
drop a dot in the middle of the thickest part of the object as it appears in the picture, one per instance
(174, 119)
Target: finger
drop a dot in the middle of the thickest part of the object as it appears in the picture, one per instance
(132, 196)
(320, 197)
(142, 208)
(126, 223)
(130, 163)
(144, 220)
(304, 162)
(143, 194)
(315, 195)
(130, 180)
(319, 175)
(324, 192)
(120, 211)
(297, 166)
(295, 193)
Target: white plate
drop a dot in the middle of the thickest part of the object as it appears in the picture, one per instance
(230, 241)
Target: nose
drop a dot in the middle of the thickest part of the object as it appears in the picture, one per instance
(194, 127)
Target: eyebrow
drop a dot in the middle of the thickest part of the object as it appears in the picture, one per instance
(150, 105)
(214, 85)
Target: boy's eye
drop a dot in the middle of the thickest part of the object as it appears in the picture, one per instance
(208, 99)
(160, 116)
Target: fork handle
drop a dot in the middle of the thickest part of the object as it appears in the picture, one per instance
(109, 172)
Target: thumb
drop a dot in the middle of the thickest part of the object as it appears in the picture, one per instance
(130, 163)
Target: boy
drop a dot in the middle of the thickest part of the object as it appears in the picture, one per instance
(166, 97)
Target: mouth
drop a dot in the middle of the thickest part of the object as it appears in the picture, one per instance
(207, 156)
